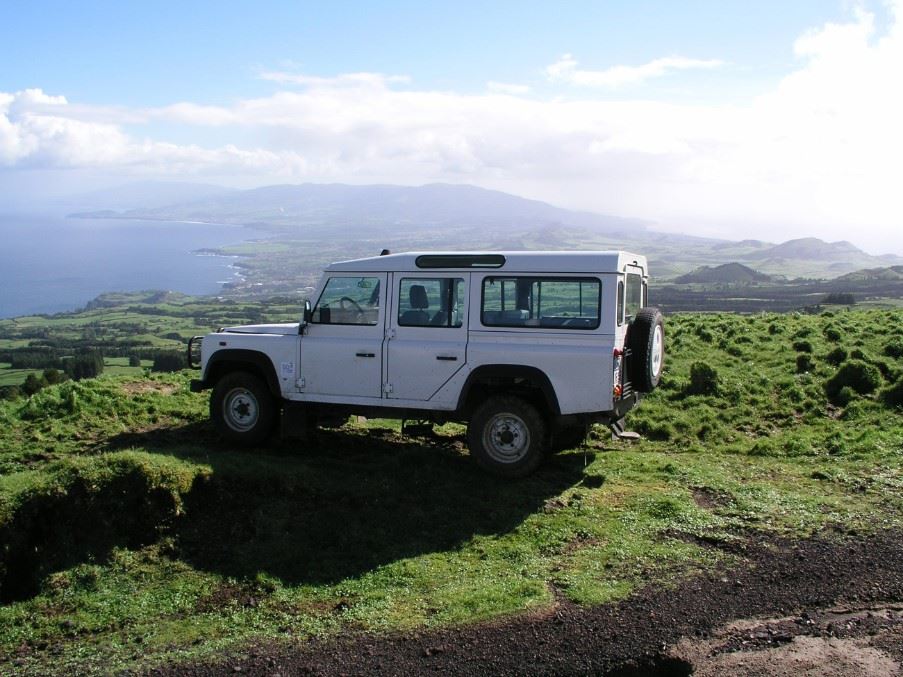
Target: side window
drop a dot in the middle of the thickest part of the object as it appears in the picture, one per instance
(558, 303)
(634, 295)
(620, 302)
(430, 302)
(348, 300)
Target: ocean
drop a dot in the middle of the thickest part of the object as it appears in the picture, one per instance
(50, 263)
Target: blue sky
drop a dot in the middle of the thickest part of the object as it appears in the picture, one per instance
(153, 53)
(724, 118)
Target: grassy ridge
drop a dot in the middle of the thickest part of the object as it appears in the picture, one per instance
(155, 543)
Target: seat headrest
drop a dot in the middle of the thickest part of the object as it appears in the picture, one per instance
(417, 296)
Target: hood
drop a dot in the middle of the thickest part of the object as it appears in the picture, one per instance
(283, 329)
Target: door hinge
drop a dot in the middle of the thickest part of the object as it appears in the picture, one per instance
(390, 334)
(299, 384)
(387, 388)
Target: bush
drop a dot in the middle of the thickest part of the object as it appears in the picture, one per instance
(53, 376)
(893, 396)
(10, 392)
(134, 360)
(32, 385)
(802, 346)
(894, 348)
(804, 363)
(832, 334)
(836, 357)
(862, 377)
(703, 379)
(844, 396)
(168, 362)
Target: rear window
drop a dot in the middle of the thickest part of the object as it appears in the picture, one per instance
(634, 295)
(548, 302)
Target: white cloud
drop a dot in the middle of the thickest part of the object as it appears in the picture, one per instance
(565, 70)
(819, 154)
(342, 80)
(507, 88)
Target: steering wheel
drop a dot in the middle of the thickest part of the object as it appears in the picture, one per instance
(346, 303)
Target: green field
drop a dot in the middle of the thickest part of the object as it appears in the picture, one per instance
(133, 538)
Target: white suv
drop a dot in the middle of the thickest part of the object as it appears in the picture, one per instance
(527, 348)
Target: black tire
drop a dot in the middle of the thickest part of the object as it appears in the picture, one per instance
(507, 436)
(567, 437)
(646, 340)
(242, 409)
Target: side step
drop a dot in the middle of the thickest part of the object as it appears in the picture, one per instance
(618, 432)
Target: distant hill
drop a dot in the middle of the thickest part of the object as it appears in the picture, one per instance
(317, 208)
(726, 273)
(810, 248)
(143, 195)
(329, 222)
(890, 273)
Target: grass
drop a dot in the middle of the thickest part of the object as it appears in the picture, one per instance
(186, 549)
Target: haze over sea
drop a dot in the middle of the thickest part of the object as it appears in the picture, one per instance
(50, 263)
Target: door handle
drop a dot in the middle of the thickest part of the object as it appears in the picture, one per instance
(447, 358)
(365, 354)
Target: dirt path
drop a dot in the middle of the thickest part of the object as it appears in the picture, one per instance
(825, 606)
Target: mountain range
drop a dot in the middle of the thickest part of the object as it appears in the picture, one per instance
(469, 217)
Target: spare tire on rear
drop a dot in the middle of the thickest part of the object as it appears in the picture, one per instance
(646, 341)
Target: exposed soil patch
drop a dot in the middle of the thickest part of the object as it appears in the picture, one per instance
(143, 387)
(676, 631)
(710, 499)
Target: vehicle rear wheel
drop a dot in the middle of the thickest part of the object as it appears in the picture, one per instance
(506, 436)
(646, 340)
(242, 409)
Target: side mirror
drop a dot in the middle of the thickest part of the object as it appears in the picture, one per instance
(306, 315)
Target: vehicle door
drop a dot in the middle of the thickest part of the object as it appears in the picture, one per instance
(342, 346)
(427, 338)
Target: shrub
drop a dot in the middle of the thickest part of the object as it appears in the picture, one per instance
(893, 396)
(832, 333)
(10, 392)
(804, 363)
(862, 377)
(53, 376)
(32, 385)
(704, 334)
(836, 357)
(134, 360)
(775, 329)
(802, 346)
(844, 396)
(168, 361)
(894, 348)
(703, 379)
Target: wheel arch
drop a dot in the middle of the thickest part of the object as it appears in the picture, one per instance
(223, 362)
(489, 379)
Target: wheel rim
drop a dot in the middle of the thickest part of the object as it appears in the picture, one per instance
(657, 350)
(240, 410)
(506, 438)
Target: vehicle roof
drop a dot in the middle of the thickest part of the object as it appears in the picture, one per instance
(515, 261)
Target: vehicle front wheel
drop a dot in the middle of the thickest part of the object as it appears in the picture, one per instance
(506, 436)
(242, 409)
